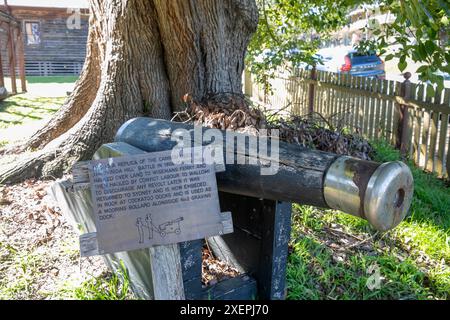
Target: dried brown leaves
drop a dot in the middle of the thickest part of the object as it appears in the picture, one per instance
(223, 111)
(215, 270)
(309, 133)
(233, 112)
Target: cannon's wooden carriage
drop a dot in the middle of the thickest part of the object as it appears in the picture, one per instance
(260, 206)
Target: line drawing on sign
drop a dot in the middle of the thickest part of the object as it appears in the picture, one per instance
(140, 226)
(168, 227)
(149, 225)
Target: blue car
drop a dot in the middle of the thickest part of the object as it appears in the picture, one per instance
(347, 60)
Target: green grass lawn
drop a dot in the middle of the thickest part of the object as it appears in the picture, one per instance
(338, 256)
(52, 79)
(115, 286)
(21, 109)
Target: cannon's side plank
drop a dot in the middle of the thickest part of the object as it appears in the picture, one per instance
(380, 193)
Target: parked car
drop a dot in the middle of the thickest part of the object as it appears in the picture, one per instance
(347, 60)
(443, 74)
(446, 77)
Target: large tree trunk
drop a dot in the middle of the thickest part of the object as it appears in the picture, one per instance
(143, 56)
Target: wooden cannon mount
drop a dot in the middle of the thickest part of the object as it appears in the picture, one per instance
(260, 206)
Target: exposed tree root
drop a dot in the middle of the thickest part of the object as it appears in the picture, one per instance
(77, 144)
(26, 167)
(52, 161)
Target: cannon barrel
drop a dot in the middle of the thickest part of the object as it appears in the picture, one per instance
(379, 193)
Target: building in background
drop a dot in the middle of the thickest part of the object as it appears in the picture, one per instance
(54, 35)
(362, 22)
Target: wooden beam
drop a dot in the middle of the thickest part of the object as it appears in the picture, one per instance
(2, 78)
(166, 272)
(8, 18)
(12, 59)
(242, 287)
(259, 244)
(21, 58)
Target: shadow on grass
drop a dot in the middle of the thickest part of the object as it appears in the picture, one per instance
(27, 103)
(18, 109)
(314, 273)
(23, 115)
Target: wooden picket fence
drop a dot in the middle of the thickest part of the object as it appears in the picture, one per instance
(403, 113)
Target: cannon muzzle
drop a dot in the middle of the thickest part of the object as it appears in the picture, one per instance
(379, 193)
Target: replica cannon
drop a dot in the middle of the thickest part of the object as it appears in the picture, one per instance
(260, 203)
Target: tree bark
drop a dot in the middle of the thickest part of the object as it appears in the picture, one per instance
(142, 57)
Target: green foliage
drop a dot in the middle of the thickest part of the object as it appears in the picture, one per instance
(314, 273)
(290, 32)
(114, 287)
(27, 266)
(419, 29)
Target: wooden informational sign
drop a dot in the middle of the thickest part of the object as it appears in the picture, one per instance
(145, 200)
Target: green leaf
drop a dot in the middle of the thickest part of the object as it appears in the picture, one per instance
(430, 47)
(440, 83)
(422, 51)
(422, 69)
(430, 91)
(389, 57)
(402, 64)
(285, 25)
